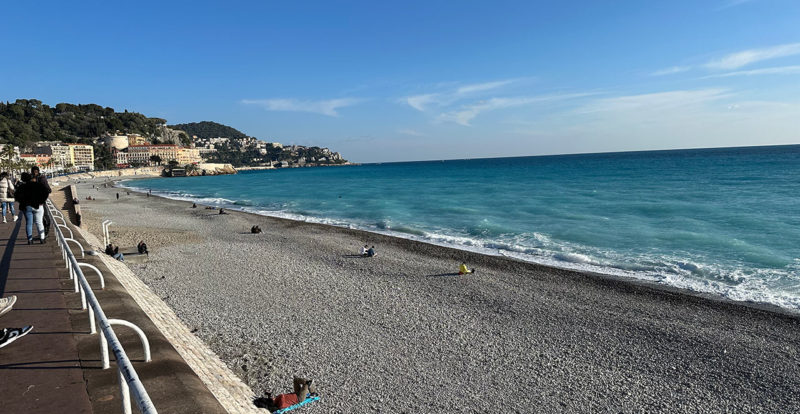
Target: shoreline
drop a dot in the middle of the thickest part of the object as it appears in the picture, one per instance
(612, 277)
(294, 301)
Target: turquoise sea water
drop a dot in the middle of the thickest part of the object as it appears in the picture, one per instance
(725, 221)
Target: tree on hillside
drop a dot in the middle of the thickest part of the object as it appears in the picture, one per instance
(156, 159)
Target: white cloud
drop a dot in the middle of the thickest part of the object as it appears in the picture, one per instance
(325, 107)
(480, 87)
(420, 102)
(659, 101)
(733, 3)
(747, 57)
(671, 71)
(672, 119)
(779, 70)
(424, 102)
(412, 132)
(467, 113)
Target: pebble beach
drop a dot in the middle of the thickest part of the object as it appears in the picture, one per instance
(404, 333)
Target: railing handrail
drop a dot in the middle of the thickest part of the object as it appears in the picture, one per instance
(125, 368)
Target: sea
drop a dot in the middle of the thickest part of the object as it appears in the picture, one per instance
(723, 221)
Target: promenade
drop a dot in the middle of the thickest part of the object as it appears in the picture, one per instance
(57, 367)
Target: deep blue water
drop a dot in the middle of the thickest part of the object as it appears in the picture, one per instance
(725, 221)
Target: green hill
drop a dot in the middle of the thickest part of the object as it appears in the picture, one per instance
(209, 129)
(29, 120)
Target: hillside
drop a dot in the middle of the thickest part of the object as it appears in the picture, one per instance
(29, 120)
(209, 129)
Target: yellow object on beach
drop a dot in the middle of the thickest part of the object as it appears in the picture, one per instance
(463, 269)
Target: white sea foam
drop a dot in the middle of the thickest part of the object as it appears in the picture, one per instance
(736, 284)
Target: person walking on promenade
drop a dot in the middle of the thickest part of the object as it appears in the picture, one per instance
(7, 190)
(31, 195)
(40, 178)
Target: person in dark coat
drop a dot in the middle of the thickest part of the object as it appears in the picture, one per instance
(40, 178)
(31, 195)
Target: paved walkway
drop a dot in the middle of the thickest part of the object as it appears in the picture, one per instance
(57, 367)
(41, 372)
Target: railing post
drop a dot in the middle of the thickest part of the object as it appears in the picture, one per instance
(124, 392)
(104, 351)
(105, 238)
(92, 328)
(83, 298)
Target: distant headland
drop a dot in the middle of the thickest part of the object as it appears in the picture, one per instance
(89, 137)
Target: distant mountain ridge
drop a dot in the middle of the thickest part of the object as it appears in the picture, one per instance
(209, 129)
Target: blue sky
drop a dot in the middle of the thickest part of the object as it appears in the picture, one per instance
(420, 80)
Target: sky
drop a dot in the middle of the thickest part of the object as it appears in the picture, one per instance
(422, 80)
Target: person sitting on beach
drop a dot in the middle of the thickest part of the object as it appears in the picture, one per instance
(302, 389)
(363, 251)
(194, 205)
(255, 230)
(142, 248)
(221, 211)
(371, 252)
(463, 269)
(113, 251)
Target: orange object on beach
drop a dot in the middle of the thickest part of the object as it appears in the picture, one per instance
(285, 400)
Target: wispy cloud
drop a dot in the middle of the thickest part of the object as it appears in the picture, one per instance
(654, 102)
(412, 132)
(747, 57)
(779, 70)
(421, 102)
(732, 3)
(325, 107)
(480, 87)
(424, 102)
(467, 113)
(671, 70)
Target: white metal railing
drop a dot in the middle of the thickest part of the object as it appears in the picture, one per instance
(128, 379)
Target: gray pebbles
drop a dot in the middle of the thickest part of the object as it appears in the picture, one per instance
(400, 333)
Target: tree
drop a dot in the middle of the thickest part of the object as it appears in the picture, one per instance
(156, 159)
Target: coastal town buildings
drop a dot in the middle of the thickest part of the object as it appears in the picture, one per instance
(140, 154)
(79, 157)
(40, 160)
(188, 156)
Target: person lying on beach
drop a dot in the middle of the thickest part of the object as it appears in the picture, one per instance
(463, 270)
(371, 252)
(302, 390)
(209, 208)
(255, 230)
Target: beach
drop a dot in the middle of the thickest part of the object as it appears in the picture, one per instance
(401, 332)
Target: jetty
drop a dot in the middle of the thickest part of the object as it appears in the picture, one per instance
(93, 348)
